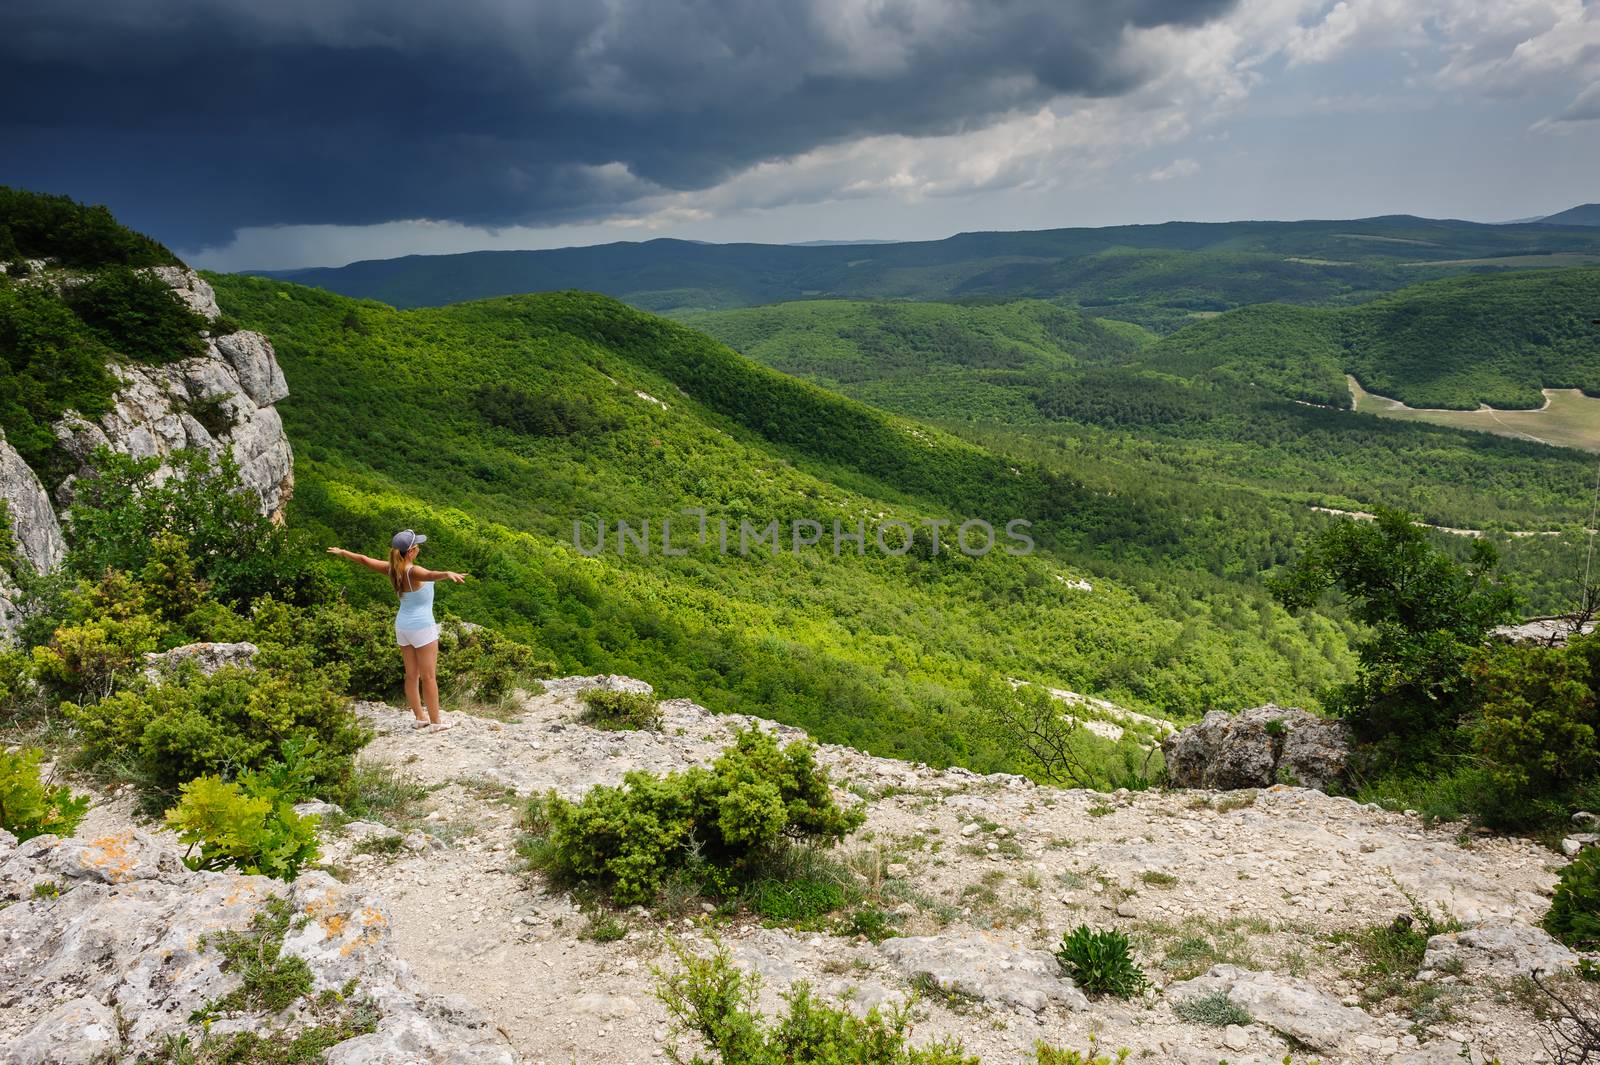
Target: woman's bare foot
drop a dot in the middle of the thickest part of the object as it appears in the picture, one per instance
(420, 723)
(441, 726)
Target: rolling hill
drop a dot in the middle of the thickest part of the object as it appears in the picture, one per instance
(1585, 214)
(1156, 275)
(494, 425)
(935, 360)
(1202, 421)
(1454, 343)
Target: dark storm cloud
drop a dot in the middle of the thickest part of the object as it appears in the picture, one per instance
(195, 117)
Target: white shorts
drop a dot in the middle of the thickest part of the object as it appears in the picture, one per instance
(416, 637)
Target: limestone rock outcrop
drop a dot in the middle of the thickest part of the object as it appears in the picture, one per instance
(1258, 748)
(1288, 1004)
(113, 962)
(34, 526)
(206, 658)
(221, 401)
(986, 967)
(218, 401)
(1498, 948)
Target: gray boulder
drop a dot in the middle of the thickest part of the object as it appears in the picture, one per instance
(561, 686)
(1257, 748)
(191, 288)
(256, 366)
(1499, 948)
(988, 967)
(207, 658)
(80, 1031)
(1293, 1006)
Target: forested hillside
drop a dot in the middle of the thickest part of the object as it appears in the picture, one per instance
(1213, 441)
(1455, 343)
(493, 425)
(925, 359)
(1155, 275)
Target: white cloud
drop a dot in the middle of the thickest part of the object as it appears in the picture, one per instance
(1204, 76)
(1178, 168)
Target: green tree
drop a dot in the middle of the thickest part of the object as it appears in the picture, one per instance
(1426, 615)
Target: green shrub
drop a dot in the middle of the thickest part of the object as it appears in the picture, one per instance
(480, 664)
(32, 807)
(726, 818)
(1216, 1010)
(1574, 915)
(88, 660)
(122, 509)
(41, 226)
(16, 680)
(1426, 616)
(8, 543)
(1101, 962)
(249, 825)
(357, 641)
(1534, 731)
(232, 721)
(137, 315)
(713, 1000)
(620, 711)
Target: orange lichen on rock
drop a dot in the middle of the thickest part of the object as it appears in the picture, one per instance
(109, 854)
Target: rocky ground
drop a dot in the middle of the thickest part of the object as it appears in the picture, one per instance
(981, 874)
(1252, 893)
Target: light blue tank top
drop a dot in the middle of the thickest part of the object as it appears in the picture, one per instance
(416, 608)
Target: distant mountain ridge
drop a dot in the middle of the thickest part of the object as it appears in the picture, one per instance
(1156, 275)
(1585, 214)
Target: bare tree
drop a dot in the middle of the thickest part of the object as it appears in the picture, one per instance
(1572, 1032)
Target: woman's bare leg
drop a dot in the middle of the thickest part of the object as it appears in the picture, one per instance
(413, 679)
(428, 666)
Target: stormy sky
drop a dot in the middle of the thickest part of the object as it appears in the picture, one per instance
(299, 132)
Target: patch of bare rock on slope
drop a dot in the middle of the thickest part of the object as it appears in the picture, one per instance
(1244, 893)
(108, 950)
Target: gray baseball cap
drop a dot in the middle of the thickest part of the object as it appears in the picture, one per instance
(405, 540)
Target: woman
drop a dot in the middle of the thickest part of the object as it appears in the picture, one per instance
(414, 628)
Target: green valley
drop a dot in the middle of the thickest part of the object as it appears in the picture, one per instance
(629, 416)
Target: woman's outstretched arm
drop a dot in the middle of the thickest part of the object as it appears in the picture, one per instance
(350, 556)
(418, 573)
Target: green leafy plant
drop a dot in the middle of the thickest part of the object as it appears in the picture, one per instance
(1534, 731)
(1426, 615)
(1574, 914)
(713, 1000)
(725, 819)
(31, 806)
(1101, 962)
(235, 719)
(137, 315)
(1215, 1010)
(619, 710)
(248, 824)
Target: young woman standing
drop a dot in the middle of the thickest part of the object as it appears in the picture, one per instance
(414, 628)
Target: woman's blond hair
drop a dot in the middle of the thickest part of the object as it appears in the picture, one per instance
(399, 570)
